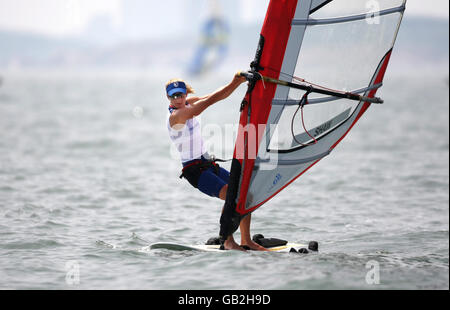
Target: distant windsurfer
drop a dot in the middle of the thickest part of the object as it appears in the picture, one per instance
(213, 46)
(198, 168)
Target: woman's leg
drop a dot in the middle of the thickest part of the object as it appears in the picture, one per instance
(246, 239)
(244, 227)
(229, 244)
(223, 192)
(208, 181)
(212, 184)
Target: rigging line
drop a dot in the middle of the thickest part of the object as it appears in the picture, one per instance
(280, 72)
(262, 79)
(302, 103)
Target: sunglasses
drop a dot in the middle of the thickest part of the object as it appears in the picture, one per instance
(177, 95)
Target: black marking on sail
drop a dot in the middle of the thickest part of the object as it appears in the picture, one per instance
(319, 7)
(255, 65)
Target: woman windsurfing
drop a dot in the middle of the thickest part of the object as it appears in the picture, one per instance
(198, 168)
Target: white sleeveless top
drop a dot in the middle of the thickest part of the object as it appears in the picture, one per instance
(188, 140)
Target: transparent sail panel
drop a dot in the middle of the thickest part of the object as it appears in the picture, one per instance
(345, 56)
(339, 8)
(342, 56)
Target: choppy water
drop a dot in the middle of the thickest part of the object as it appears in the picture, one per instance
(87, 183)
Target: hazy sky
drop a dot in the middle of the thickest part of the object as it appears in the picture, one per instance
(61, 17)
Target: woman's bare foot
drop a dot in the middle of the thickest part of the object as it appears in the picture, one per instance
(230, 244)
(253, 245)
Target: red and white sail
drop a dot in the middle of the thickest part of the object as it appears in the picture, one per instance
(342, 45)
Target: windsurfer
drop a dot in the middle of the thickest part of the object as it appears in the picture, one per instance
(198, 168)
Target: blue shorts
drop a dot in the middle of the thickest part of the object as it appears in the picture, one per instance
(209, 180)
(211, 183)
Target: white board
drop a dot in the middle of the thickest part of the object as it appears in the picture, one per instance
(216, 248)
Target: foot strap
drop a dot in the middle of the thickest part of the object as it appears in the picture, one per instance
(268, 242)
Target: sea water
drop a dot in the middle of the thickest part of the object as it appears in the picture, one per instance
(88, 180)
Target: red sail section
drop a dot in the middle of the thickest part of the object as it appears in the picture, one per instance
(276, 31)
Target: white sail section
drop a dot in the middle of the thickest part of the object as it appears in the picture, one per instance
(343, 45)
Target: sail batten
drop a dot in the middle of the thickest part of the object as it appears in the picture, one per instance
(329, 21)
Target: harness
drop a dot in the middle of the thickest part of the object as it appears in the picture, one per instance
(200, 165)
(193, 170)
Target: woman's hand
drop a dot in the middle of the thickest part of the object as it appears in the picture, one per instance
(238, 78)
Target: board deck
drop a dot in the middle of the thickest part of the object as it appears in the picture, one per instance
(216, 248)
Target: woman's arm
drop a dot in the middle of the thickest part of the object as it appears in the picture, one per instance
(192, 100)
(199, 104)
(220, 94)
